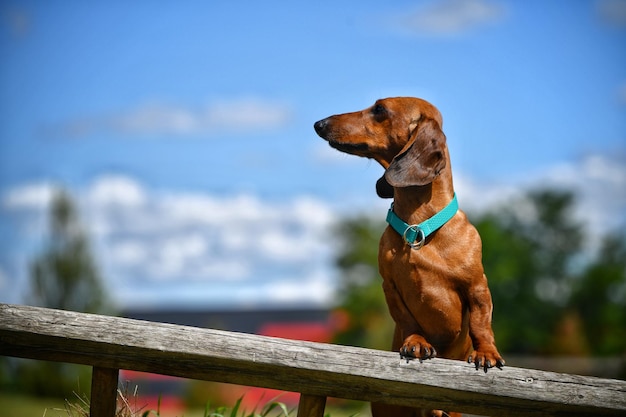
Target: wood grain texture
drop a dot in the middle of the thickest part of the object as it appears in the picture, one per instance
(311, 406)
(103, 392)
(309, 368)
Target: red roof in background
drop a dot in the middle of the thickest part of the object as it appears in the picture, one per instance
(126, 374)
(308, 331)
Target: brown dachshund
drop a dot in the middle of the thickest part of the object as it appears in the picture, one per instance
(436, 289)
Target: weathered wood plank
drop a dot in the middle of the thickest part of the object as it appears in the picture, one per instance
(311, 406)
(103, 401)
(305, 367)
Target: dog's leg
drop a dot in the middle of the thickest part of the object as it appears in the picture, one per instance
(485, 353)
(412, 345)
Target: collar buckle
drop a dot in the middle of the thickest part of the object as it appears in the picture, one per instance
(416, 242)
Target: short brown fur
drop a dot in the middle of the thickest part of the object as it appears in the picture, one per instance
(438, 295)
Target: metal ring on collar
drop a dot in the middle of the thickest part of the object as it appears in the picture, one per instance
(420, 238)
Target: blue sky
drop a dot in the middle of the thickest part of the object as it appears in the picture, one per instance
(184, 130)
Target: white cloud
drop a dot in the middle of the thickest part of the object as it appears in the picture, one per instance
(169, 236)
(598, 181)
(248, 113)
(29, 196)
(157, 118)
(244, 249)
(316, 289)
(129, 253)
(451, 17)
(164, 238)
(198, 208)
(116, 190)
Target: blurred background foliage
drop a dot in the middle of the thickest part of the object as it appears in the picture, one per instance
(557, 289)
(63, 275)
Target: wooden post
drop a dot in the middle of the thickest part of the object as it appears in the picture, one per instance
(103, 392)
(311, 406)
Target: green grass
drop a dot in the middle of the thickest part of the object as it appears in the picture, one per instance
(15, 405)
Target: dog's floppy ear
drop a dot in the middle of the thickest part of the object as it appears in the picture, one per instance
(421, 160)
(383, 188)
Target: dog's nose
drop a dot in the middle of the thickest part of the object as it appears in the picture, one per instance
(320, 126)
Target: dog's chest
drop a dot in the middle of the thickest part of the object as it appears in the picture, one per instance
(422, 276)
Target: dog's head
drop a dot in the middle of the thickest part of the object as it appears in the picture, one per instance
(403, 134)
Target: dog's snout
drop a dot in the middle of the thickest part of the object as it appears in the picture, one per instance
(320, 126)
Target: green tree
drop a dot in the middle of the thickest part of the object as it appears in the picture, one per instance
(600, 298)
(529, 249)
(361, 296)
(63, 276)
(508, 262)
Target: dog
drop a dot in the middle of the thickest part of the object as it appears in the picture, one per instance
(433, 280)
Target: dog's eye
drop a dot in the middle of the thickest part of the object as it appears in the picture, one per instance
(379, 111)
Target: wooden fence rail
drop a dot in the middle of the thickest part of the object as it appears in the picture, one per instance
(315, 370)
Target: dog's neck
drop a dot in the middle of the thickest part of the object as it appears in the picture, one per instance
(418, 203)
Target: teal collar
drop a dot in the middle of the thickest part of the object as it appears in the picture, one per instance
(415, 234)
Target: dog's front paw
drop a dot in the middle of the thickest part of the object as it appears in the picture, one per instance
(486, 358)
(416, 346)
